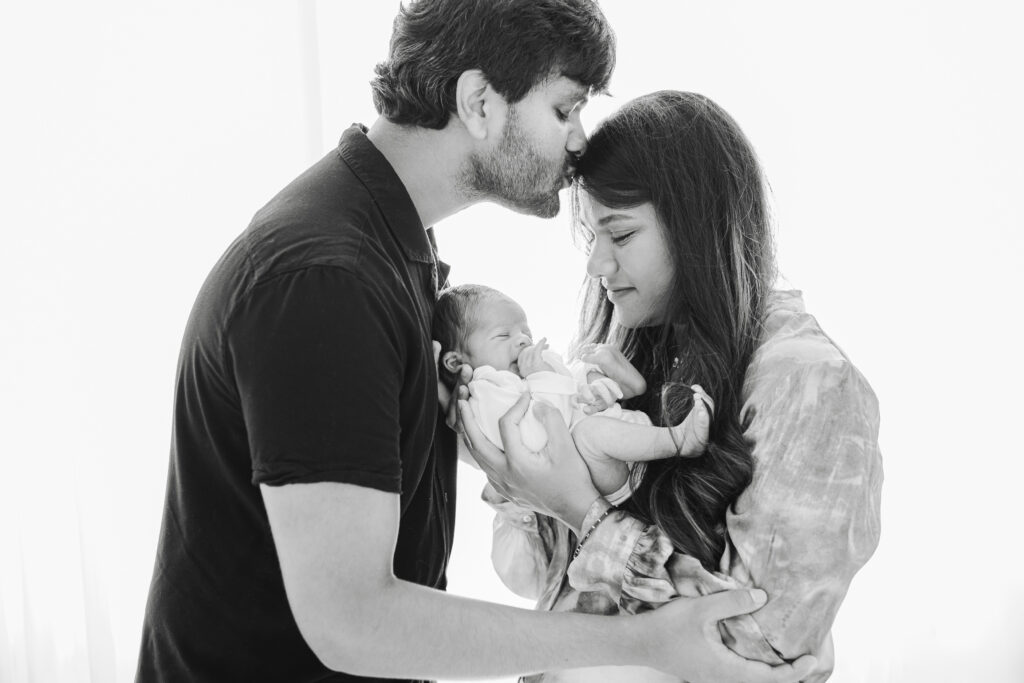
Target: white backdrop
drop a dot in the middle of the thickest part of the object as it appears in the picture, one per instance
(138, 139)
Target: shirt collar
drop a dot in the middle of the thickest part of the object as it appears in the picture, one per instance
(387, 191)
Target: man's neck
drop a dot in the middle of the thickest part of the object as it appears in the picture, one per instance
(428, 163)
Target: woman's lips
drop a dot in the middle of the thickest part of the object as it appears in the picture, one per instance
(616, 295)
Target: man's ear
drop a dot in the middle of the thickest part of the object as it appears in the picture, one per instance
(451, 361)
(480, 108)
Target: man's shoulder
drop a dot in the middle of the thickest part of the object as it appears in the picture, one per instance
(322, 218)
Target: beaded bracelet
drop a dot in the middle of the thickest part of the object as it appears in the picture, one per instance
(579, 547)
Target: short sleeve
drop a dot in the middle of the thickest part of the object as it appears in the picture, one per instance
(318, 362)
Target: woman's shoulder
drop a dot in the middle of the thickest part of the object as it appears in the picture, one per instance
(797, 358)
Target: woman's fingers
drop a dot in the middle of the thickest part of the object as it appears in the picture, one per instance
(559, 439)
(487, 455)
(508, 424)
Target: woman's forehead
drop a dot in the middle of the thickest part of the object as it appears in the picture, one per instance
(597, 216)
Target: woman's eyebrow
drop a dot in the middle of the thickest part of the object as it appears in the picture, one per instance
(613, 218)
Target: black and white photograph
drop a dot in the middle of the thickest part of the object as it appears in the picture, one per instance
(526, 341)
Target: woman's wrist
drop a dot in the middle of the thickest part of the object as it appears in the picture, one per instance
(580, 518)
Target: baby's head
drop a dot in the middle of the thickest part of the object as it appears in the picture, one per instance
(478, 325)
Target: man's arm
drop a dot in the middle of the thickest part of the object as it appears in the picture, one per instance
(335, 543)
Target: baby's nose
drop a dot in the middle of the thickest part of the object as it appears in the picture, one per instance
(523, 341)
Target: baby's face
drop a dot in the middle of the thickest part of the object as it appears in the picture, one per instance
(499, 335)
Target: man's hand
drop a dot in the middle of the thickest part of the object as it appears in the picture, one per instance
(554, 482)
(685, 641)
(530, 359)
(614, 364)
(448, 400)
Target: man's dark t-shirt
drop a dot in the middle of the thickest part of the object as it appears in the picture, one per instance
(307, 358)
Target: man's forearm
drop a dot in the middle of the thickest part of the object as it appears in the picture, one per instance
(406, 630)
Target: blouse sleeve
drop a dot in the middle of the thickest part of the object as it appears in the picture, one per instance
(528, 550)
(811, 517)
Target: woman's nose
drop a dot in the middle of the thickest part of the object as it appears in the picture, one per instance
(599, 262)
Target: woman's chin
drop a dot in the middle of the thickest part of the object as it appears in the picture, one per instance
(629, 320)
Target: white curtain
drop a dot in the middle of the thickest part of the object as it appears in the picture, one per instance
(138, 139)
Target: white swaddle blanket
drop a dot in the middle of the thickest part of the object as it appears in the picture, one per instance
(492, 392)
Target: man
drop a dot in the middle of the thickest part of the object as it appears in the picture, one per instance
(310, 498)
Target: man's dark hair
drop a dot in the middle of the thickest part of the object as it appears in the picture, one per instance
(517, 44)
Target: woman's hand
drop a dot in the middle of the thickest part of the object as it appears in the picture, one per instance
(554, 482)
(614, 364)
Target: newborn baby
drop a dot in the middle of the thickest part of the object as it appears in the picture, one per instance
(481, 327)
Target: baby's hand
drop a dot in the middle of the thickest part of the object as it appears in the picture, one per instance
(601, 394)
(530, 360)
(613, 363)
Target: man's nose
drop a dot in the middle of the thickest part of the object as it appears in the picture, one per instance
(576, 144)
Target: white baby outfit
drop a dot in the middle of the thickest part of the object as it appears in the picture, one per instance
(492, 392)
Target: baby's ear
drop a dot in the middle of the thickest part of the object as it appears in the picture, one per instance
(451, 361)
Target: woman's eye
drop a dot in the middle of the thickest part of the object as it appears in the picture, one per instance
(623, 238)
(562, 116)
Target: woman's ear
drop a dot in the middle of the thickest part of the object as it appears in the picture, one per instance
(451, 361)
(478, 106)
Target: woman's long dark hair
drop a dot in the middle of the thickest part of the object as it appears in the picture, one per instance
(687, 157)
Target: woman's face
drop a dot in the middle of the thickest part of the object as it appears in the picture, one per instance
(629, 254)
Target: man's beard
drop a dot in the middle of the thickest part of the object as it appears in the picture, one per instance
(516, 175)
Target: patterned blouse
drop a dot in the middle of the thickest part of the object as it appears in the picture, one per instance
(807, 522)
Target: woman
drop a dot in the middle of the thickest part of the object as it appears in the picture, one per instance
(670, 200)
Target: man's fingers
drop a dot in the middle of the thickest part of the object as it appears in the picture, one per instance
(464, 376)
(718, 606)
(804, 666)
(759, 672)
(731, 603)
